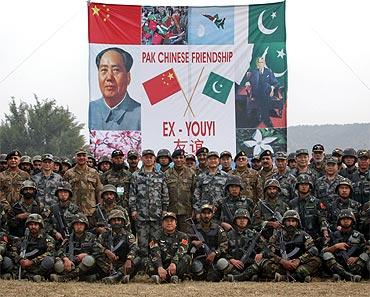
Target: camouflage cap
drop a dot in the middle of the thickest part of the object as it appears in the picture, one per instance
(337, 152)
(240, 154)
(291, 157)
(47, 157)
(177, 153)
(301, 152)
(281, 156)
(26, 159)
(329, 159)
(226, 153)
(81, 151)
(148, 152)
(206, 206)
(362, 153)
(202, 150)
(266, 153)
(132, 153)
(117, 153)
(14, 153)
(213, 154)
(318, 148)
(190, 157)
(36, 158)
(169, 214)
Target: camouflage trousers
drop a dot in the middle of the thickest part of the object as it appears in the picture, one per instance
(146, 231)
(338, 265)
(309, 267)
(43, 269)
(182, 268)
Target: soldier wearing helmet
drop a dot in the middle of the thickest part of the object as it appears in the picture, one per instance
(36, 163)
(62, 212)
(47, 181)
(270, 209)
(26, 164)
(3, 163)
(11, 180)
(349, 159)
(345, 255)
(38, 261)
(232, 201)
(80, 257)
(342, 200)
(66, 164)
(120, 249)
(311, 211)
(104, 164)
(168, 252)
(23, 208)
(291, 254)
(361, 177)
(109, 199)
(164, 159)
(245, 246)
(285, 178)
(119, 177)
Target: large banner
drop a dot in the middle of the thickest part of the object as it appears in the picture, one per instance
(185, 77)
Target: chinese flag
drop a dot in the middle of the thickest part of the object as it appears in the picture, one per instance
(114, 24)
(162, 86)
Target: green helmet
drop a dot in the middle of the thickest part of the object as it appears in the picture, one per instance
(35, 218)
(57, 160)
(28, 184)
(109, 188)
(26, 159)
(304, 179)
(80, 218)
(67, 161)
(234, 180)
(116, 214)
(65, 186)
(104, 159)
(272, 182)
(292, 214)
(346, 182)
(346, 213)
(242, 213)
(163, 153)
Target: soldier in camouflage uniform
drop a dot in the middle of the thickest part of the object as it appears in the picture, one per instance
(286, 179)
(4, 239)
(226, 161)
(365, 220)
(209, 245)
(210, 185)
(292, 163)
(11, 180)
(232, 201)
(47, 181)
(57, 165)
(109, 203)
(302, 158)
(133, 159)
(345, 255)
(119, 177)
(270, 209)
(22, 209)
(36, 163)
(191, 162)
(245, 247)
(181, 184)
(66, 164)
(301, 260)
(361, 178)
(38, 260)
(148, 199)
(26, 164)
(349, 159)
(268, 168)
(62, 213)
(256, 163)
(86, 185)
(342, 200)
(318, 156)
(310, 210)
(201, 154)
(325, 186)
(164, 159)
(79, 256)
(168, 252)
(104, 164)
(120, 249)
(3, 163)
(252, 188)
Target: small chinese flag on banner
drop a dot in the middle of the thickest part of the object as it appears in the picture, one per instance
(162, 86)
(114, 24)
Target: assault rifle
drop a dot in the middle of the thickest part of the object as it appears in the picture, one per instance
(107, 225)
(248, 252)
(62, 226)
(275, 214)
(284, 254)
(23, 250)
(199, 236)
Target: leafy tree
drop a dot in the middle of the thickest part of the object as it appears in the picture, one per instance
(43, 127)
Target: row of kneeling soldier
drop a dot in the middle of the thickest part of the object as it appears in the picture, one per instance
(207, 252)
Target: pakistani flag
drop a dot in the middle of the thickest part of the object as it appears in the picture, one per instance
(267, 23)
(275, 56)
(217, 87)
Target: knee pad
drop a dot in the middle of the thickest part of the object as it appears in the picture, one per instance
(47, 264)
(327, 256)
(222, 264)
(87, 263)
(364, 257)
(197, 268)
(59, 266)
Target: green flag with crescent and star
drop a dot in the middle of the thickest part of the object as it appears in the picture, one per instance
(267, 23)
(217, 87)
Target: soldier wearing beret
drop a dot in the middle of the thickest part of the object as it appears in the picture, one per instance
(268, 168)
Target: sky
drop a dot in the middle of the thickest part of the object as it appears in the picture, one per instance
(44, 51)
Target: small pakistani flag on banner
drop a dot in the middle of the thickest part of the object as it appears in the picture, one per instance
(217, 87)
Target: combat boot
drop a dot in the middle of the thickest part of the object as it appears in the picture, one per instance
(174, 279)
(114, 278)
(155, 279)
(279, 277)
(126, 279)
(73, 275)
(339, 270)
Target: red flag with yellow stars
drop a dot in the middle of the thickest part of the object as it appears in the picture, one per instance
(162, 86)
(114, 24)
